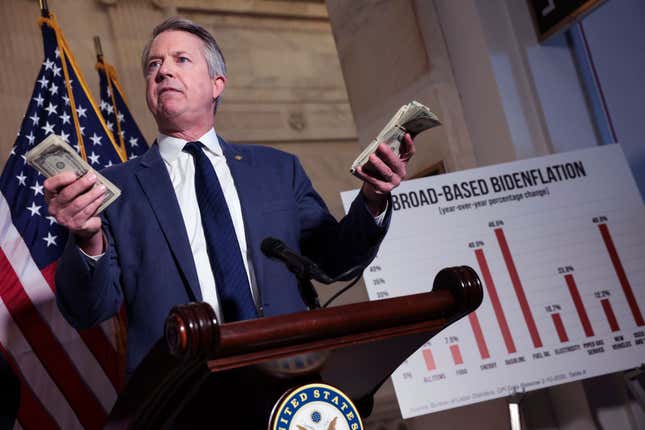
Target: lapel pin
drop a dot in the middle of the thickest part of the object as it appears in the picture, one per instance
(238, 157)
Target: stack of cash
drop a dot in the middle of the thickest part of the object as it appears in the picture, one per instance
(412, 118)
(53, 156)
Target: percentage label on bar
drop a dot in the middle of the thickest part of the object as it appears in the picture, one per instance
(382, 294)
(602, 293)
(451, 339)
(378, 281)
(552, 308)
(476, 244)
(375, 268)
(565, 269)
(598, 219)
(496, 223)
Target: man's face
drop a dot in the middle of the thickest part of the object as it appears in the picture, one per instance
(179, 91)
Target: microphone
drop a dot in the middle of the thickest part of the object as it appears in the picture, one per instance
(301, 266)
(305, 270)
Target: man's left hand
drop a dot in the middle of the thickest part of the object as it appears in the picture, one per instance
(383, 172)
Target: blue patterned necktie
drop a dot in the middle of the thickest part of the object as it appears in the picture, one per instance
(234, 292)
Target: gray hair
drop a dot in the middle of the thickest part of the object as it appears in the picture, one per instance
(212, 53)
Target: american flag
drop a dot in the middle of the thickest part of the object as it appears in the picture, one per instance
(117, 116)
(68, 379)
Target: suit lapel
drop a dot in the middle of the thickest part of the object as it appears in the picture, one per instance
(157, 187)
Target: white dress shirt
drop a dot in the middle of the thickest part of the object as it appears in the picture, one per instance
(181, 168)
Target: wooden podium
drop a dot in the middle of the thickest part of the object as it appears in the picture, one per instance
(208, 375)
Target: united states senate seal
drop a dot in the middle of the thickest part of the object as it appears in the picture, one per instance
(315, 407)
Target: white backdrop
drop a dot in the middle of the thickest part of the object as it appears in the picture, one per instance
(559, 243)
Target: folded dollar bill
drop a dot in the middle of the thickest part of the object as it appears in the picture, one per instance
(411, 118)
(53, 156)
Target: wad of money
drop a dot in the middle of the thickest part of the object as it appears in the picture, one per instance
(53, 156)
(411, 118)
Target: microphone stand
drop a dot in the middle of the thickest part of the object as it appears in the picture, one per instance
(308, 292)
(306, 270)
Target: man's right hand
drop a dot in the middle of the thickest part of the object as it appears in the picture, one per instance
(73, 203)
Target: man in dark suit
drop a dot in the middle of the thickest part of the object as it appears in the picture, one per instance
(194, 210)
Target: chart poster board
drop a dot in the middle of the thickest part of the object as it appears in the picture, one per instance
(559, 244)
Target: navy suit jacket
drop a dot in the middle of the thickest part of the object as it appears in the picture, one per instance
(148, 263)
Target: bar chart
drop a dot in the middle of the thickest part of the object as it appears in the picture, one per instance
(563, 270)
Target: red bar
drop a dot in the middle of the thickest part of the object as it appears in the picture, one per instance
(519, 290)
(620, 271)
(429, 359)
(577, 301)
(559, 327)
(494, 299)
(479, 336)
(609, 312)
(456, 355)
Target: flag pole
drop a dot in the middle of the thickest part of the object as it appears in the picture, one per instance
(118, 136)
(119, 319)
(44, 9)
(98, 49)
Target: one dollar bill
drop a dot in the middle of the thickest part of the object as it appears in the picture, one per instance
(53, 156)
(411, 118)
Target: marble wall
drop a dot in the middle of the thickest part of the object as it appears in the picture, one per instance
(392, 52)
